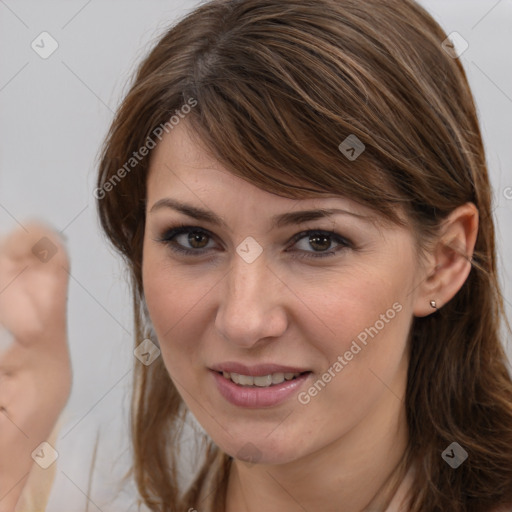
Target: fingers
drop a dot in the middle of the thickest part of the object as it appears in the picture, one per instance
(34, 277)
(36, 243)
(35, 368)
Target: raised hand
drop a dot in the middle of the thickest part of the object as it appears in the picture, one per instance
(35, 369)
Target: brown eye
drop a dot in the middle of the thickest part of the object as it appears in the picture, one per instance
(320, 242)
(190, 240)
(198, 239)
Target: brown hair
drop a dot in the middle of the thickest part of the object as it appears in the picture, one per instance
(278, 84)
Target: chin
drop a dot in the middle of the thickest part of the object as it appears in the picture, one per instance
(261, 450)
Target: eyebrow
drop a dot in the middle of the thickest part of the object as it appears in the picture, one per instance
(280, 220)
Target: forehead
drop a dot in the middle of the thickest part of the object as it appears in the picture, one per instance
(182, 169)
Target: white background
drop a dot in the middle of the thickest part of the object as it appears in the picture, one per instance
(54, 115)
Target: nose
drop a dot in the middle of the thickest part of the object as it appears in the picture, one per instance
(252, 305)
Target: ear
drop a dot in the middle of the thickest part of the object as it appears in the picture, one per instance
(449, 261)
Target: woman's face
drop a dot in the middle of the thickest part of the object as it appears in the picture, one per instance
(245, 291)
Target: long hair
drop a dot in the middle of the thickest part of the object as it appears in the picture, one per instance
(273, 87)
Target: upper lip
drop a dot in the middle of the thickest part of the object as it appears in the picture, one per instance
(255, 370)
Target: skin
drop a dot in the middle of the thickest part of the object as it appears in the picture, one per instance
(35, 370)
(338, 452)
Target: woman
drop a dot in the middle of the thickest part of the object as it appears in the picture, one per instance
(336, 332)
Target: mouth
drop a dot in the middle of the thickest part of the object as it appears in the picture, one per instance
(260, 386)
(260, 381)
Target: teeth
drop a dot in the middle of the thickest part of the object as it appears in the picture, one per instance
(263, 381)
(245, 380)
(277, 378)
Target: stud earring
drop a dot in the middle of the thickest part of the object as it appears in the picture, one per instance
(433, 304)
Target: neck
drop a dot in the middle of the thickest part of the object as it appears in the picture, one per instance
(358, 472)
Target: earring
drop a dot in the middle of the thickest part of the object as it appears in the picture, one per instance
(433, 304)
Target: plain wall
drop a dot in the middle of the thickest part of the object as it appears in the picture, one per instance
(54, 115)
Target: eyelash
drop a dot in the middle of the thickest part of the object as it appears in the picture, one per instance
(168, 239)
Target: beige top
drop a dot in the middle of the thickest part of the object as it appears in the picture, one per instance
(36, 492)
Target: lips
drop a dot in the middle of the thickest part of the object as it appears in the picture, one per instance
(264, 385)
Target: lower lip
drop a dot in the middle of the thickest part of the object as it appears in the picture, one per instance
(255, 397)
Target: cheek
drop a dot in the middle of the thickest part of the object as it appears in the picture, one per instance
(365, 349)
(169, 293)
(176, 304)
(358, 304)
(367, 325)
